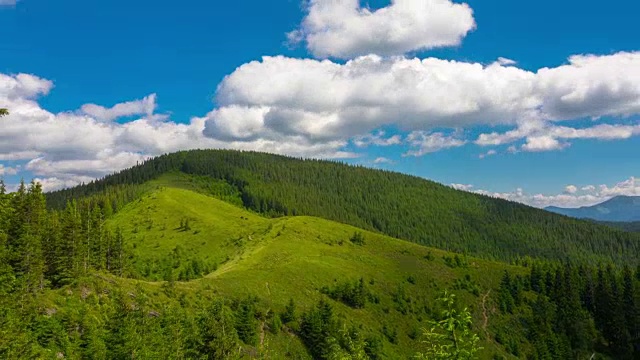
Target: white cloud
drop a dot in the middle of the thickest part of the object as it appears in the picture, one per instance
(629, 187)
(323, 100)
(22, 87)
(71, 147)
(592, 86)
(382, 160)
(543, 143)
(426, 143)
(8, 2)
(7, 170)
(343, 29)
(570, 196)
(462, 187)
(487, 154)
(145, 106)
(377, 139)
(544, 136)
(304, 107)
(506, 62)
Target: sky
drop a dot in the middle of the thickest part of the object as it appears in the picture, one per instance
(536, 102)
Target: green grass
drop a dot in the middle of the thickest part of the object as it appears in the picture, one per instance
(293, 257)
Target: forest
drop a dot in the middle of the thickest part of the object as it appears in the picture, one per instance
(70, 286)
(398, 205)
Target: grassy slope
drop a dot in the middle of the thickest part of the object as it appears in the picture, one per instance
(293, 257)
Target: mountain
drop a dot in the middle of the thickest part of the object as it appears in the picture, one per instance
(394, 204)
(157, 262)
(617, 209)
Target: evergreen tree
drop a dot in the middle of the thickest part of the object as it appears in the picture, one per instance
(246, 324)
(289, 314)
(631, 310)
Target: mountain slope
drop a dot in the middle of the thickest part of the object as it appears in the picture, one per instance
(230, 277)
(394, 204)
(618, 209)
(626, 226)
(295, 257)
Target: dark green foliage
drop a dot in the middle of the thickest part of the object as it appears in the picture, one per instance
(289, 314)
(575, 311)
(390, 333)
(354, 294)
(468, 284)
(626, 226)
(246, 324)
(317, 327)
(276, 324)
(373, 347)
(391, 203)
(357, 238)
(456, 261)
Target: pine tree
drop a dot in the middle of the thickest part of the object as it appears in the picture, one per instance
(505, 297)
(246, 325)
(631, 310)
(289, 314)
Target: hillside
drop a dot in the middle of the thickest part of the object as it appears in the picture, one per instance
(617, 209)
(178, 274)
(626, 226)
(394, 204)
(295, 257)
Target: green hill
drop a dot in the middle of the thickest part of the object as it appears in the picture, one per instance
(164, 271)
(393, 204)
(294, 258)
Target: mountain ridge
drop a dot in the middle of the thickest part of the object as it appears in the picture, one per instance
(617, 209)
(394, 204)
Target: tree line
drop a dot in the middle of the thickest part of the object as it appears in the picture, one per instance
(574, 311)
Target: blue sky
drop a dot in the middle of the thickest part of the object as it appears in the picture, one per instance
(115, 52)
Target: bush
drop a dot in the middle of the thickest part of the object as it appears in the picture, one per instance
(357, 238)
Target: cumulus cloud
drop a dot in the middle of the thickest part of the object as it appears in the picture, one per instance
(7, 170)
(570, 197)
(570, 189)
(382, 160)
(145, 106)
(592, 86)
(313, 108)
(377, 139)
(64, 149)
(325, 100)
(343, 29)
(545, 136)
(488, 154)
(425, 143)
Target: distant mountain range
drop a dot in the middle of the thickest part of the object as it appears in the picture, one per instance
(617, 209)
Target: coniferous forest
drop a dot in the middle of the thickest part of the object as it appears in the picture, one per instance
(498, 280)
(394, 204)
